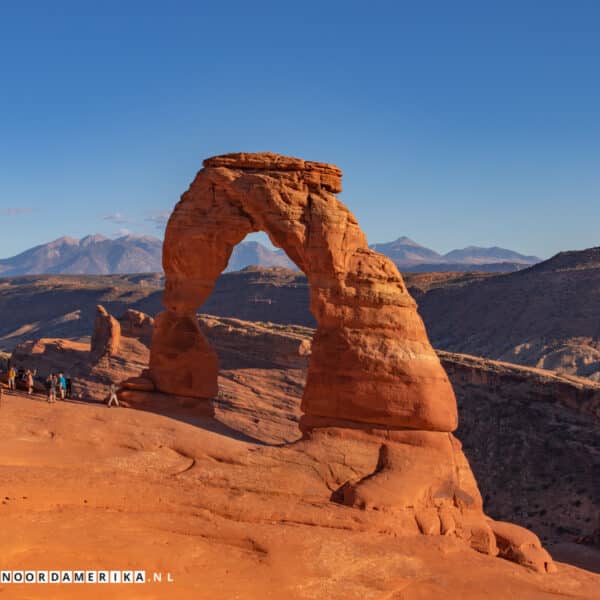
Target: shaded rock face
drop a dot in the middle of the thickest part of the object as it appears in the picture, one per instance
(371, 359)
(553, 309)
(106, 336)
(240, 344)
(532, 439)
(529, 434)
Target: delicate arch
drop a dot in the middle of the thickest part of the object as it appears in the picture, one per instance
(371, 362)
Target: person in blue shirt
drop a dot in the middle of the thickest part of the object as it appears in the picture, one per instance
(62, 385)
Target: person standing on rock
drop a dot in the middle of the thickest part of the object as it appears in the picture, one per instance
(29, 382)
(51, 383)
(113, 396)
(69, 389)
(12, 375)
(62, 385)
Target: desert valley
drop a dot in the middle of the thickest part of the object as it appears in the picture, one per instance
(336, 430)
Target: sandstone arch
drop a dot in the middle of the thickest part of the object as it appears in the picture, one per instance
(372, 362)
(375, 388)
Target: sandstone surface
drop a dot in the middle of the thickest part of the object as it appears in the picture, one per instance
(137, 324)
(531, 436)
(385, 393)
(88, 487)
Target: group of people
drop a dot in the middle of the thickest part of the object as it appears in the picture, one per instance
(57, 385)
(58, 382)
(24, 375)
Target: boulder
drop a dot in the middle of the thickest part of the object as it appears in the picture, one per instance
(138, 383)
(137, 324)
(522, 546)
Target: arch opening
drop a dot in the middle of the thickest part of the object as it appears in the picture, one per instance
(262, 350)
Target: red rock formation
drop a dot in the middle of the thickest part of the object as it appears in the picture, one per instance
(91, 371)
(373, 376)
(371, 362)
(106, 336)
(522, 546)
(137, 324)
(508, 417)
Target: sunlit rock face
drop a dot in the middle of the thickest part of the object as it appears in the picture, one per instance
(371, 362)
(376, 394)
(106, 337)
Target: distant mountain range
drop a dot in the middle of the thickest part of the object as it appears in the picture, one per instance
(99, 255)
(249, 254)
(91, 255)
(411, 256)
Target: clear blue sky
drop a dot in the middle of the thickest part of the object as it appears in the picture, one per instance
(455, 123)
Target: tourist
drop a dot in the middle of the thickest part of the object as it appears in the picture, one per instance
(51, 383)
(29, 381)
(113, 395)
(12, 374)
(69, 387)
(62, 385)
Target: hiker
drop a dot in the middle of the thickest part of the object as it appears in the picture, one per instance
(62, 385)
(51, 383)
(69, 387)
(29, 382)
(113, 395)
(12, 374)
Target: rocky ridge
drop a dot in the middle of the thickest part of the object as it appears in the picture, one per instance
(561, 335)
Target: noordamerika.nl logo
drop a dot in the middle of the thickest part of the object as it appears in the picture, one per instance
(83, 577)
